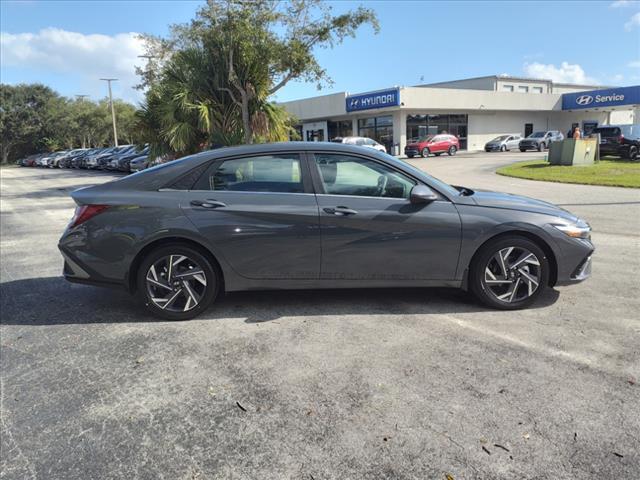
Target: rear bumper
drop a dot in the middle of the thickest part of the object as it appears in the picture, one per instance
(75, 271)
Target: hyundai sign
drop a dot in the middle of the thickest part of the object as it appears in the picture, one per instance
(367, 101)
(610, 97)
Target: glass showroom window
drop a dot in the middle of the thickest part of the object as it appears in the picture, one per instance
(378, 128)
(421, 125)
(340, 128)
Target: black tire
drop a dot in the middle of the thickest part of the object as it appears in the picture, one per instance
(633, 153)
(481, 259)
(410, 155)
(503, 148)
(452, 150)
(425, 152)
(541, 146)
(211, 272)
(523, 150)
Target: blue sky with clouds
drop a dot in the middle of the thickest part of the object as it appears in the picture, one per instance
(69, 45)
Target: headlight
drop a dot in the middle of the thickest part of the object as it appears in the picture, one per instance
(578, 230)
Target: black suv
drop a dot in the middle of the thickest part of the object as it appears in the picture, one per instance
(619, 140)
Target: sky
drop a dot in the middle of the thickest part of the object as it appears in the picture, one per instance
(70, 45)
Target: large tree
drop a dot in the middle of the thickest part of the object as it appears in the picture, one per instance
(23, 113)
(252, 50)
(34, 118)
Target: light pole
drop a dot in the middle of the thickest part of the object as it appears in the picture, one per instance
(113, 112)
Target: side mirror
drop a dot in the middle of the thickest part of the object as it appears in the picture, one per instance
(422, 194)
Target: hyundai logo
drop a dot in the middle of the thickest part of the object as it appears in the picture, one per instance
(584, 100)
(354, 103)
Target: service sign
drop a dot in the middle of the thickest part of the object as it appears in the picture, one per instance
(610, 97)
(368, 101)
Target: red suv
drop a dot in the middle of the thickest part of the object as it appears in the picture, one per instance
(436, 144)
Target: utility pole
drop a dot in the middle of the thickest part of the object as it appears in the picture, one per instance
(113, 112)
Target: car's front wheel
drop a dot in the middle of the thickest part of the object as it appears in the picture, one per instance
(503, 148)
(425, 152)
(540, 146)
(177, 282)
(509, 273)
(633, 153)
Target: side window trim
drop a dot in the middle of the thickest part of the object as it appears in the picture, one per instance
(319, 185)
(307, 186)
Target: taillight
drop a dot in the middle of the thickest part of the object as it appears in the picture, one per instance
(86, 212)
(620, 138)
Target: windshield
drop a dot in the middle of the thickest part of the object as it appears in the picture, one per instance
(426, 138)
(536, 135)
(500, 138)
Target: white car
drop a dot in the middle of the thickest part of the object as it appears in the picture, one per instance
(362, 142)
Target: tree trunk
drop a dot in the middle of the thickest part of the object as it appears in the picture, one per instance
(6, 148)
(246, 121)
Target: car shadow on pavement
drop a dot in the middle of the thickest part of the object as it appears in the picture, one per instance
(54, 301)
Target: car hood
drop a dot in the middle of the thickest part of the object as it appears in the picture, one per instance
(518, 202)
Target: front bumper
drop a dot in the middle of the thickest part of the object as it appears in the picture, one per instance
(527, 146)
(411, 151)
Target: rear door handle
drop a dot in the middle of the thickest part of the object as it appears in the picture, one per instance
(209, 203)
(340, 211)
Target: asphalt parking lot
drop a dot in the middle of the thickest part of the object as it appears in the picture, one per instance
(398, 384)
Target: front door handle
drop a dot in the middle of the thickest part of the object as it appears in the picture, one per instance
(209, 203)
(340, 211)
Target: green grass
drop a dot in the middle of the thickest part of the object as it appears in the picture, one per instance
(613, 173)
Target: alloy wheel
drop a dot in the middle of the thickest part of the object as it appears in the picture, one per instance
(176, 283)
(512, 274)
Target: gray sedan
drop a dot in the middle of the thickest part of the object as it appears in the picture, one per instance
(310, 215)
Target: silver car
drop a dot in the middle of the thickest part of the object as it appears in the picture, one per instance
(503, 143)
(313, 215)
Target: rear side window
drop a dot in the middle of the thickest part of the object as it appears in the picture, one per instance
(608, 131)
(263, 173)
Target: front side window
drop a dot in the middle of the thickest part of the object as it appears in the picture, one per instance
(263, 173)
(348, 175)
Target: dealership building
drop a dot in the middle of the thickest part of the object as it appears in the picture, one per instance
(475, 110)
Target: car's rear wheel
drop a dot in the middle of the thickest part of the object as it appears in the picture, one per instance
(425, 152)
(633, 153)
(177, 282)
(509, 273)
(452, 150)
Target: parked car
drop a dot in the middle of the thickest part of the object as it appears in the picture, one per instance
(360, 142)
(503, 143)
(436, 144)
(91, 157)
(61, 160)
(314, 215)
(540, 140)
(139, 163)
(619, 140)
(29, 161)
(105, 158)
(55, 159)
